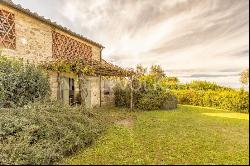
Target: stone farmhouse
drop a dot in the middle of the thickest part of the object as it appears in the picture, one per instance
(27, 35)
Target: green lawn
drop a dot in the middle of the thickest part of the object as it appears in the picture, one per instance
(187, 135)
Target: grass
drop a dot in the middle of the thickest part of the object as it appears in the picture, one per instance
(187, 135)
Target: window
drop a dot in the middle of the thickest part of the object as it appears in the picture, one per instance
(7, 30)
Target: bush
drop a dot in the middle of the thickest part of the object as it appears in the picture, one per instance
(21, 83)
(145, 99)
(45, 133)
(157, 99)
(201, 86)
(122, 96)
(151, 100)
(235, 100)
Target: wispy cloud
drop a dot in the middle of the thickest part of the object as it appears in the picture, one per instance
(192, 39)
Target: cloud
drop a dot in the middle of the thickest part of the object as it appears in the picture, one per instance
(203, 39)
(211, 75)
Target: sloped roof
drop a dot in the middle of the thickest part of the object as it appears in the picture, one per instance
(48, 21)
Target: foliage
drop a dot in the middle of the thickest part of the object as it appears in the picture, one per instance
(204, 93)
(157, 71)
(185, 136)
(146, 95)
(44, 133)
(21, 83)
(156, 99)
(244, 77)
(174, 80)
(122, 96)
(202, 85)
(90, 67)
(149, 90)
(198, 93)
(140, 70)
(151, 100)
(236, 100)
(68, 66)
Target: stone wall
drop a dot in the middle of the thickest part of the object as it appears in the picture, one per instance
(107, 92)
(33, 38)
(93, 97)
(53, 84)
(95, 91)
(34, 44)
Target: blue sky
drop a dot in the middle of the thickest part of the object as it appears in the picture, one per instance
(191, 39)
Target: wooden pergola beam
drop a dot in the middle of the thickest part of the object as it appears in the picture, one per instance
(99, 69)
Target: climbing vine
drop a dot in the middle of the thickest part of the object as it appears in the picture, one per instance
(85, 67)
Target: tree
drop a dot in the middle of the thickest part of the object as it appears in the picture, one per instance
(140, 70)
(157, 71)
(173, 80)
(244, 77)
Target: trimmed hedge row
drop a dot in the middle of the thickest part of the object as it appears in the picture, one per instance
(235, 100)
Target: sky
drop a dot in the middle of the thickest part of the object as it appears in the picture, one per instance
(190, 39)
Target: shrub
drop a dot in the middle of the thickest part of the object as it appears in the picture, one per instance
(201, 85)
(45, 133)
(157, 99)
(145, 99)
(151, 100)
(235, 100)
(21, 83)
(170, 102)
(122, 96)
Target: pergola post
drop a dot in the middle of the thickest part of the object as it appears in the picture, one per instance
(82, 89)
(58, 86)
(100, 86)
(131, 94)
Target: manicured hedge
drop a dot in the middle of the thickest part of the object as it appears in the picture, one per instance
(235, 100)
(45, 133)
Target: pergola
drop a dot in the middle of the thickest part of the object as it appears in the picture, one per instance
(90, 67)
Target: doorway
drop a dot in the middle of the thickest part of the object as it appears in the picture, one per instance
(71, 91)
(67, 90)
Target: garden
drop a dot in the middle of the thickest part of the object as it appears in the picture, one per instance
(171, 123)
(186, 135)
